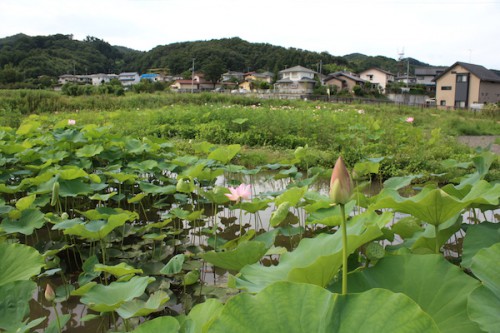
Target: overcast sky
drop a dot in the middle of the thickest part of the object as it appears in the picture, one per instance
(438, 32)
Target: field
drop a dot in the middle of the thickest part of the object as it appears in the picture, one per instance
(206, 213)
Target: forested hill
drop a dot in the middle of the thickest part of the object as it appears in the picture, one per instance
(24, 58)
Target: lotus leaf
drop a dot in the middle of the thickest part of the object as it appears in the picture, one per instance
(245, 253)
(440, 288)
(484, 302)
(89, 150)
(433, 206)
(303, 308)
(279, 214)
(109, 298)
(477, 237)
(137, 307)
(201, 316)
(224, 154)
(174, 265)
(117, 270)
(25, 202)
(29, 220)
(292, 196)
(14, 303)
(18, 262)
(315, 260)
(160, 324)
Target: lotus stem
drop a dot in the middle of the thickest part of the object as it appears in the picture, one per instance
(57, 317)
(344, 250)
(437, 239)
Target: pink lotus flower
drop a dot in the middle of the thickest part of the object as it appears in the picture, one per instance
(340, 184)
(239, 193)
(410, 120)
(71, 121)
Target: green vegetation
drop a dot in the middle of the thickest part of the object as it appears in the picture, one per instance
(358, 132)
(147, 238)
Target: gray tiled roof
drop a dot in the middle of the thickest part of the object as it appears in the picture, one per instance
(480, 71)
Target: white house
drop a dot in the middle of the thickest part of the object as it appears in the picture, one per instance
(296, 80)
(98, 79)
(378, 77)
(129, 78)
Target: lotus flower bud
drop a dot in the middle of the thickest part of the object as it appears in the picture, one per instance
(50, 295)
(340, 184)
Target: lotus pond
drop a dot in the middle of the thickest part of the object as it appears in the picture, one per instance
(108, 233)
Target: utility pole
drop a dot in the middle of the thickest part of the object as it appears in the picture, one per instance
(192, 77)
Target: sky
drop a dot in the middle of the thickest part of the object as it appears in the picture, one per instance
(437, 32)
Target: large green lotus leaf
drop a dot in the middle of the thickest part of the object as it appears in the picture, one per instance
(424, 242)
(18, 262)
(484, 302)
(255, 205)
(29, 220)
(303, 308)
(97, 229)
(279, 214)
(174, 265)
(480, 192)
(108, 298)
(433, 206)
(486, 267)
(89, 150)
(292, 196)
(117, 270)
(483, 308)
(155, 189)
(14, 303)
(315, 260)
(396, 183)
(72, 172)
(75, 187)
(25, 202)
(161, 324)
(201, 316)
(440, 288)
(138, 308)
(224, 154)
(479, 236)
(245, 253)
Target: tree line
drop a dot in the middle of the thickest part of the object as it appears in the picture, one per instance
(36, 62)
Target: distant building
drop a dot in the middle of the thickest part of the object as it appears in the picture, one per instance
(425, 76)
(464, 85)
(296, 80)
(378, 77)
(253, 78)
(129, 78)
(98, 79)
(151, 77)
(78, 79)
(344, 81)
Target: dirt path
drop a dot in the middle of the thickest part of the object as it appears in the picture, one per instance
(481, 141)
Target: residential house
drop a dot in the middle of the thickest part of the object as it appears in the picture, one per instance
(425, 76)
(378, 77)
(464, 85)
(252, 80)
(343, 81)
(78, 79)
(98, 79)
(233, 76)
(196, 84)
(296, 80)
(129, 78)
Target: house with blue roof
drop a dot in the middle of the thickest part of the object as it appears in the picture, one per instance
(151, 77)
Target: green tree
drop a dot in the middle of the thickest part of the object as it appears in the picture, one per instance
(213, 70)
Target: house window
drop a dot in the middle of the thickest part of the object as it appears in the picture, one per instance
(461, 77)
(460, 104)
(446, 88)
(370, 77)
(442, 102)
